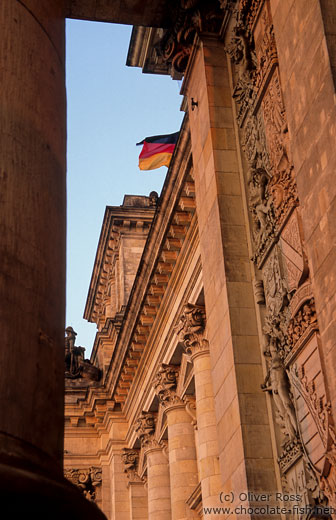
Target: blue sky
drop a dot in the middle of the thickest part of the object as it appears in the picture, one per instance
(110, 108)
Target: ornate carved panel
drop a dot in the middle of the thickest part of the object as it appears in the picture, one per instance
(304, 426)
(291, 242)
(189, 17)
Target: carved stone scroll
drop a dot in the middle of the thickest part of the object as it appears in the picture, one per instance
(144, 427)
(87, 480)
(130, 458)
(165, 383)
(191, 329)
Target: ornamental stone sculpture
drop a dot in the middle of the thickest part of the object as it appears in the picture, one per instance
(165, 384)
(130, 458)
(277, 382)
(144, 427)
(191, 329)
(76, 366)
(87, 480)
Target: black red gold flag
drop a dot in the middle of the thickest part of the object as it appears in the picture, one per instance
(157, 151)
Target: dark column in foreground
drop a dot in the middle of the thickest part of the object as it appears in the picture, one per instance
(32, 252)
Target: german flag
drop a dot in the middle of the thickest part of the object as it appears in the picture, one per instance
(157, 151)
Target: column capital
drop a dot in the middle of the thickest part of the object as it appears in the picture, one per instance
(144, 427)
(145, 430)
(86, 479)
(191, 330)
(130, 458)
(165, 383)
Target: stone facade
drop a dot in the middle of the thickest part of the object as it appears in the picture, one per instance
(211, 380)
(220, 376)
(221, 371)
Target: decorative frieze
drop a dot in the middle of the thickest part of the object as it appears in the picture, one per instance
(87, 480)
(249, 10)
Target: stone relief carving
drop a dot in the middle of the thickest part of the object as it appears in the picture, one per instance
(86, 479)
(289, 319)
(75, 365)
(266, 52)
(254, 143)
(190, 17)
(300, 327)
(293, 253)
(241, 51)
(277, 383)
(301, 480)
(249, 10)
(261, 114)
(261, 210)
(276, 293)
(276, 124)
(323, 470)
(191, 328)
(292, 451)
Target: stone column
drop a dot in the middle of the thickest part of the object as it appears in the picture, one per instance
(191, 331)
(181, 443)
(244, 440)
(32, 252)
(119, 487)
(138, 498)
(158, 481)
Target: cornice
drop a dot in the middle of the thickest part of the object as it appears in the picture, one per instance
(166, 242)
(117, 220)
(154, 271)
(188, 259)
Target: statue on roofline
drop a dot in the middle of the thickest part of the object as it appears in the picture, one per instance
(75, 365)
